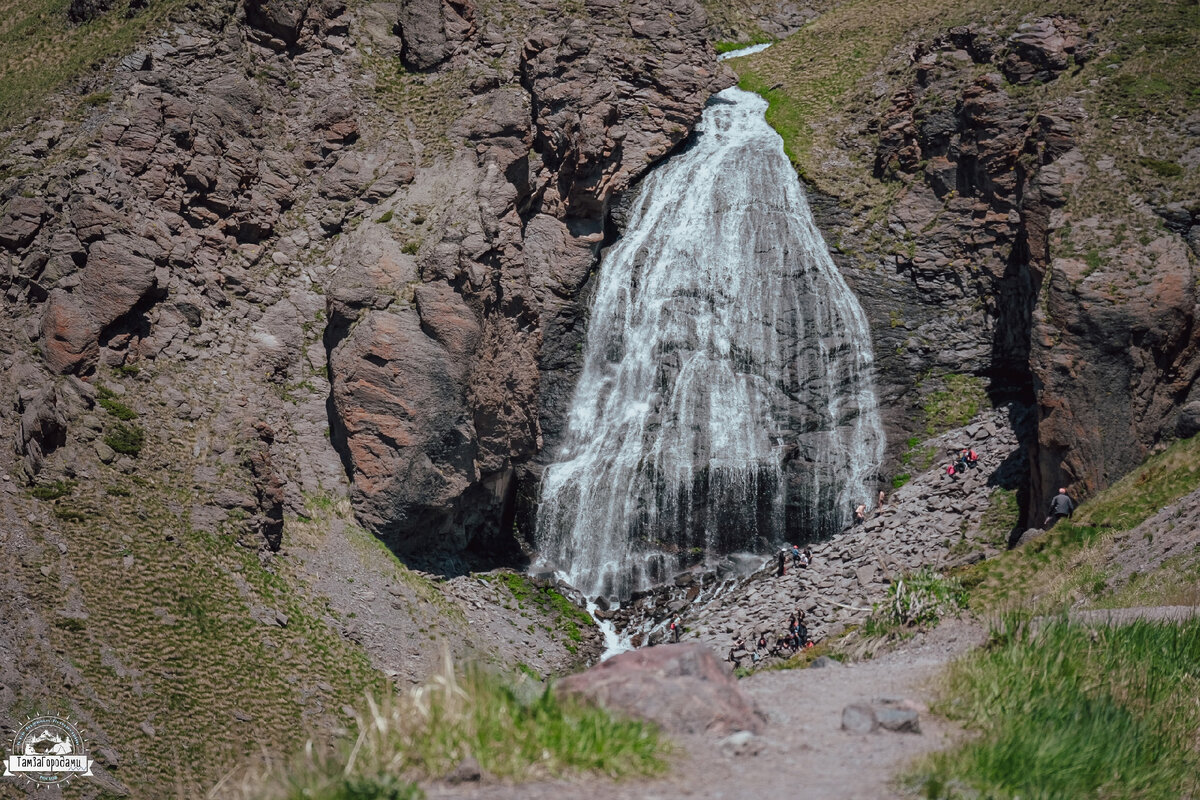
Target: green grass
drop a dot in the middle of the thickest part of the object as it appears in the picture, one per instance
(568, 617)
(1075, 554)
(43, 52)
(1002, 515)
(1068, 712)
(954, 403)
(758, 37)
(428, 731)
(108, 401)
(126, 439)
(53, 490)
(920, 598)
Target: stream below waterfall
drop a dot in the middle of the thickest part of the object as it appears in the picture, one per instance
(725, 402)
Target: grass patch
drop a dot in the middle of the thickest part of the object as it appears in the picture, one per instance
(1070, 712)
(126, 439)
(954, 403)
(43, 52)
(919, 598)
(568, 617)
(1002, 515)
(427, 731)
(52, 491)
(108, 401)
(1164, 169)
(758, 37)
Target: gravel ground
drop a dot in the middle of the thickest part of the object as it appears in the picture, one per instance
(802, 752)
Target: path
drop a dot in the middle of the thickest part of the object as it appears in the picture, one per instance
(803, 752)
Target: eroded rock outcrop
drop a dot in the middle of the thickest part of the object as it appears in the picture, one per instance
(440, 396)
(990, 274)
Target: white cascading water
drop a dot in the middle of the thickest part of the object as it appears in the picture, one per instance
(726, 398)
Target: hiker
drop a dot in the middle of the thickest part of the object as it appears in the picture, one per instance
(782, 564)
(738, 644)
(797, 556)
(808, 559)
(801, 633)
(951, 473)
(972, 457)
(860, 514)
(762, 641)
(676, 629)
(882, 498)
(1061, 505)
(801, 557)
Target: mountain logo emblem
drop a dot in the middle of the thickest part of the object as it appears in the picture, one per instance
(48, 750)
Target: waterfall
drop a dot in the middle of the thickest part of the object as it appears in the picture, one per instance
(725, 400)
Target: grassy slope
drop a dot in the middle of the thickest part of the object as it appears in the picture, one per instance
(169, 648)
(1071, 712)
(42, 51)
(831, 72)
(1071, 560)
(1066, 711)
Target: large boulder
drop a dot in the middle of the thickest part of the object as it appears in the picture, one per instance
(682, 687)
(432, 30)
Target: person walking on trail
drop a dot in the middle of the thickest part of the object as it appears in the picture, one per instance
(1061, 505)
(676, 629)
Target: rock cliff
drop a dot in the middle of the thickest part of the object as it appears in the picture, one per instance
(992, 196)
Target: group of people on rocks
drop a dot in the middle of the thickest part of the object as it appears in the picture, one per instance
(773, 644)
(800, 558)
(967, 459)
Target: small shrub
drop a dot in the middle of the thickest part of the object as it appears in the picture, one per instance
(900, 480)
(126, 439)
(411, 246)
(52, 491)
(108, 401)
(97, 98)
(117, 491)
(385, 217)
(1160, 167)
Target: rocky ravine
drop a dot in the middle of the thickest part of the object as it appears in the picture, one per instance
(930, 521)
(1004, 242)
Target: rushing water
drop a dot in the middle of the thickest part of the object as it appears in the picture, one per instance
(725, 400)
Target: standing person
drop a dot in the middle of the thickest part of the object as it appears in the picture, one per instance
(782, 564)
(808, 556)
(882, 498)
(1061, 505)
(860, 514)
(676, 629)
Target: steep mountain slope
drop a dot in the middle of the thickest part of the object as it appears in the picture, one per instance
(1012, 193)
(274, 256)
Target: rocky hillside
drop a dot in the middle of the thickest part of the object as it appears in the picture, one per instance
(272, 260)
(286, 278)
(1012, 193)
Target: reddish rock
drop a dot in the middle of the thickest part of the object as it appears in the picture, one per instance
(69, 336)
(115, 279)
(1041, 49)
(682, 687)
